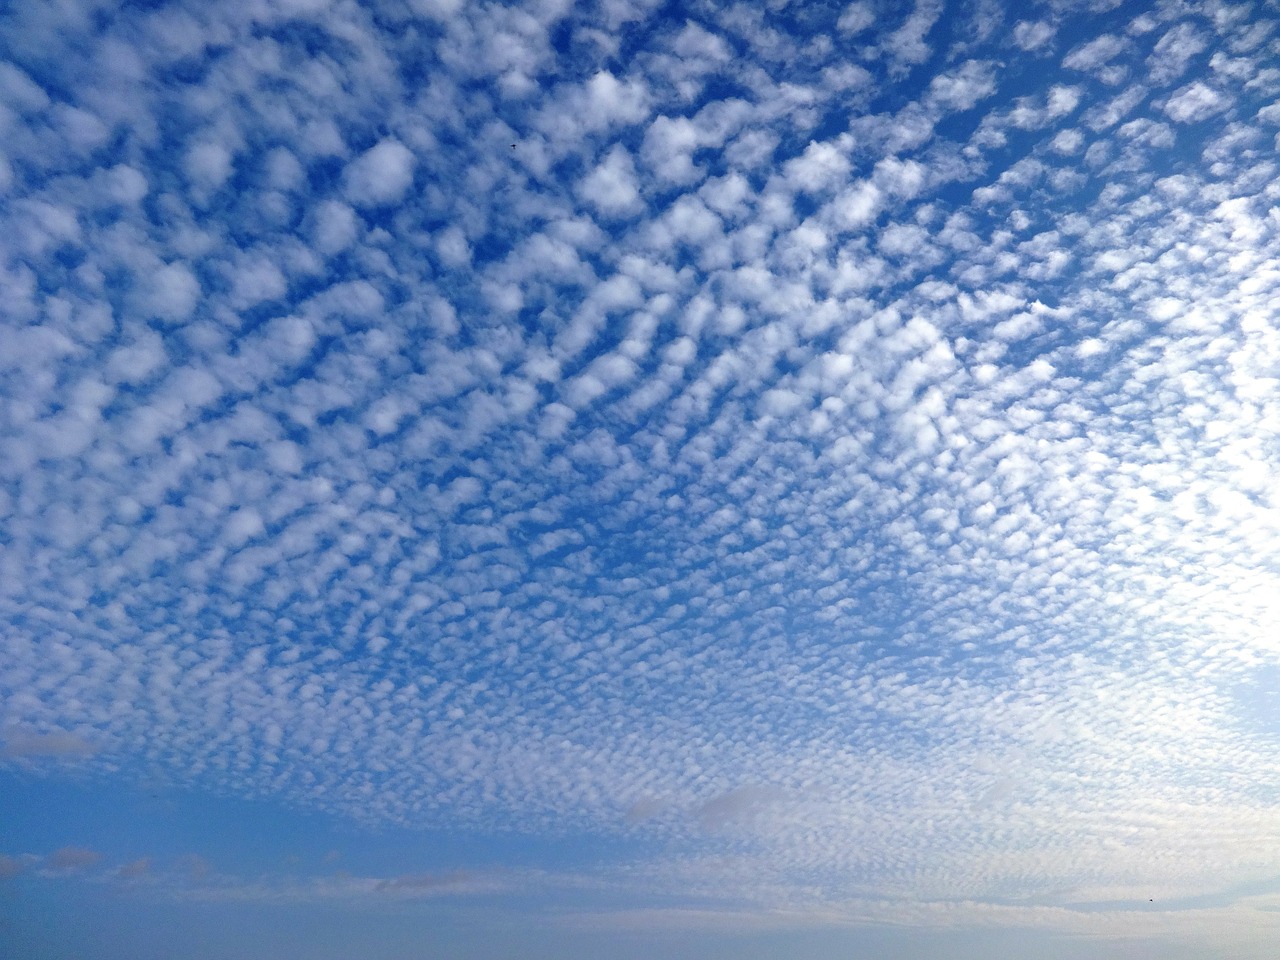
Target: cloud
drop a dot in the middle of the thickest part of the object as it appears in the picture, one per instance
(848, 403)
(71, 860)
(135, 869)
(612, 187)
(1174, 51)
(169, 293)
(428, 884)
(855, 18)
(1032, 35)
(380, 176)
(905, 47)
(739, 804)
(1194, 102)
(1097, 56)
(963, 88)
(208, 165)
(11, 867)
(336, 227)
(23, 744)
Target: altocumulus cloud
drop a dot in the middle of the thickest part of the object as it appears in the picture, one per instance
(832, 452)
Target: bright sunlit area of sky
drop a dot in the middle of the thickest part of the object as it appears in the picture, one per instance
(633, 479)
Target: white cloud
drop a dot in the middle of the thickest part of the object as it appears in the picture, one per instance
(256, 280)
(610, 101)
(1174, 52)
(438, 9)
(135, 362)
(1032, 35)
(452, 247)
(668, 150)
(208, 164)
(1195, 102)
(1096, 56)
(612, 187)
(336, 227)
(18, 744)
(963, 88)
(822, 166)
(169, 293)
(380, 176)
(496, 489)
(855, 18)
(906, 47)
(1067, 142)
(20, 91)
(858, 206)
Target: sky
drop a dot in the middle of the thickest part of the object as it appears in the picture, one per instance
(627, 479)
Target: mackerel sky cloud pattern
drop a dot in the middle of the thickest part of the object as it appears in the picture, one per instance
(743, 466)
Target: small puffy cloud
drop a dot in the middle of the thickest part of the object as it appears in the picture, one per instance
(727, 195)
(903, 240)
(283, 171)
(245, 524)
(12, 867)
(822, 166)
(961, 89)
(1090, 347)
(900, 178)
(452, 247)
(1017, 327)
(255, 281)
(1067, 142)
(71, 860)
(780, 402)
(60, 744)
(1094, 56)
(134, 869)
(83, 131)
(752, 149)
(379, 176)
(599, 103)
(610, 101)
(856, 18)
(668, 149)
(741, 804)
(1195, 102)
(1032, 35)
(125, 184)
(603, 375)
(1062, 100)
(696, 43)
(1174, 52)
(646, 808)
(354, 300)
(335, 227)
(322, 138)
(906, 46)
(19, 91)
(1164, 309)
(612, 187)
(859, 205)
(169, 293)
(1059, 101)
(208, 165)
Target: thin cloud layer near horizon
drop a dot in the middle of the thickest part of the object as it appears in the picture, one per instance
(786, 479)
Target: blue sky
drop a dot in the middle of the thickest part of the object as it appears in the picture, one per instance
(639, 479)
